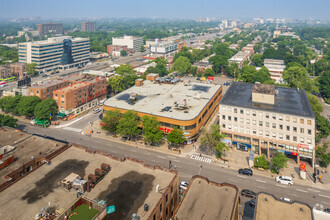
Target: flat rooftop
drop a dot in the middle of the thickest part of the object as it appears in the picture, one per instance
(72, 87)
(129, 185)
(48, 83)
(162, 99)
(287, 101)
(27, 146)
(269, 208)
(208, 200)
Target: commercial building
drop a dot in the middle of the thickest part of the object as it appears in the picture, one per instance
(12, 69)
(55, 53)
(151, 192)
(269, 208)
(240, 57)
(131, 42)
(163, 47)
(55, 28)
(80, 96)
(265, 118)
(44, 90)
(88, 26)
(205, 199)
(275, 68)
(187, 106)
(114, 50)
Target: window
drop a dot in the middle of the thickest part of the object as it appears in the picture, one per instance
(248, 130)
(254, 131)
(280, 136)
(223, 117)
(62, 102)
(267, 133)
(229, 127)
(171, 189)
(260, 114)
(247, 112)
(267, 124)
(295, 129)
(260, 132)
(287, 118)
(166, 197)
(280, 117)
(309, 131)
(248, 121)
(302, 140)
(223, 125)
(223, 108)
(254, 122)
(235, 128)
(55, 95)
(229, 109)
(301, 130)
(241, 120)
(288, 137)
(274, 117)
(242, 111)
(281, 127)
(294, 120)
(229, 118)
(301, 121)
(37, 91)
(273, 125)
(274, 135)
(267, 115)
(260, 123)
(309, 141)
(199, 121)
(254, 113)
(294, 138)
(288, 128)
(62, 96)
(235, 110)
(161, 207)
(309, 122)
(235, 119)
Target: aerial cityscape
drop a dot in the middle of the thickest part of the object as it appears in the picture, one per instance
(181, 110)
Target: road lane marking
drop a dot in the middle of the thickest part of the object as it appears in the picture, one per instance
(293, 194)
(280, 185)
(300, 190)
(244, 177)
(176, 161)
(262, 187)
(233, 180)
(73, 129)
(154, 161)
(326, 203)
(161, 157)
(324, 196)
(133, 150)
(261, 181)
(314, 190)
(172, 157)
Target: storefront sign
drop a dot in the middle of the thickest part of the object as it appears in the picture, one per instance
(165, 130)
(305, 146)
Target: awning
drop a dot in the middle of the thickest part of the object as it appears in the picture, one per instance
(60, 115)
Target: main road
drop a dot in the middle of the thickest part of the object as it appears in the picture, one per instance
(188, 167)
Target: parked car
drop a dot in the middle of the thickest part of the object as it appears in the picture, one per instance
(326, 210)
(124, 138)
(97, 110)
(252, 203)
(184, 185)
(284, 180)
(248, 193)
(286, 199)
(246, 171)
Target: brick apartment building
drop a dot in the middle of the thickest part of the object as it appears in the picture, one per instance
(46, 89)
(114, 50)
(13, 69)
(56, 28)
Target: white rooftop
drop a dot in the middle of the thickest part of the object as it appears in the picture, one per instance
(55, 39)
(164, 99)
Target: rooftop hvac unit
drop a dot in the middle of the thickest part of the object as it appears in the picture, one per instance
(146, 207)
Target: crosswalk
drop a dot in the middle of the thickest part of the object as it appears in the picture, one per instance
(203, 159)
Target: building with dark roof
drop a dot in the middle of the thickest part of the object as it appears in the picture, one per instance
(266, 118)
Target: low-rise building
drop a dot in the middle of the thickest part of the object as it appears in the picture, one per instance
(18, 69)
(45, 89)
(188, 106)
(196, 204)
(114, 50)
(202, 66)
(5, 72)
(131, 42)
(275, 68)
(264, 119)
(163, 47)
(240, 58)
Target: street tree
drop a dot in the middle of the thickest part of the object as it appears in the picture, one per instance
(123, 53)
(262, 76)
(297, 77)
(278, 162)
(247, 73)
(219, 62)
(27, 104)
(233, 70)
(182, 65)
(175, 137)
(324, 82)
(116, 84)
(321, 152)
(212, 140)
(111, 120)
(142, 49)
(151, 130)
(209, 72)
(7, 120)
(257, 60)
(45, 109)
(31, 68)
(261, 162)
(12, 103)
(315, 104)
(129, 125)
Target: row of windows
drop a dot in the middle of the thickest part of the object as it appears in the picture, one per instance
(267, 124)
(46, 46)
(268, 134)
(49, 52)
(267, 115)
(190, 127)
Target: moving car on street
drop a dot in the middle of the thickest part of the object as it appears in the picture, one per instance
(184, 185)
(284, 180)
(248, 193)
(246, 171)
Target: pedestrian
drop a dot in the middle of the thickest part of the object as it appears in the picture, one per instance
(179, 151)
(200, 155)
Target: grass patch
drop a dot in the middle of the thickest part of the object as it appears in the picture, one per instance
(83, 213)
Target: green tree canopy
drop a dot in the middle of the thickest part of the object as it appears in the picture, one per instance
(233, 70)
(31, 68)
(27, 105)
(151, 132)
(45, 108)
(129, 124)
(11, 104)
(116, 83)
(279, 162)
(209, 72)
(324, 82)
(315, 104)
(212, 140)
(321, 152)
(7, 120)
(261, 162)
(218, 62)
(257, 60)
(262, 76)
(111, 120)
(176, 136)
(182, 65)
(247, 73)
(142, 49)
(297, 76)
(123, 53)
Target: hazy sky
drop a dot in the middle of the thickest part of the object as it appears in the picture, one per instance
(166, 8)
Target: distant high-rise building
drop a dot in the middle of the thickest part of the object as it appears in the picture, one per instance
(131, 42)
(233, 24)
(56, 28)
(88, 26)
(224, 23)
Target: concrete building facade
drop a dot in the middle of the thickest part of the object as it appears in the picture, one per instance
(88, 26)
(131, 42)
(264, 119)
(55, 53)
(44, 29)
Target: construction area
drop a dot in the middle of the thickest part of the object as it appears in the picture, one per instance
(128, 184)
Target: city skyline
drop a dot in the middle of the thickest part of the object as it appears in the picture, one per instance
(172, 9)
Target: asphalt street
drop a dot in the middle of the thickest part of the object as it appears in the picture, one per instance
(188, 167)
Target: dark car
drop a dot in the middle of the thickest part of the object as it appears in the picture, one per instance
(326, 210)
(245, 171)
(252, 203)
(124, 138)
(248, 193)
